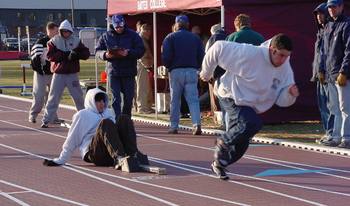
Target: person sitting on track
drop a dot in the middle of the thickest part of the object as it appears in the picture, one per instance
(100, 139)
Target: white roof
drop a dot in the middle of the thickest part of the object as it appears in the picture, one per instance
(52, 4)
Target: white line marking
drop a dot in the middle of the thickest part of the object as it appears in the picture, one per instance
(42, 193)
(13, 156)
(256, 178)
(97, 178)
(16, 200)
(19, 192)
(271, 161)
(244, 184)
(205, 148)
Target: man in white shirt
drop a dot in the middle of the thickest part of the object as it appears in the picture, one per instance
(256, 78)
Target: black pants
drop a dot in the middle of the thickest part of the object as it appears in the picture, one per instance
(112, 141)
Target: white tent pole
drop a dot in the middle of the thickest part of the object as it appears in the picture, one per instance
(155, 61)
(222, 10)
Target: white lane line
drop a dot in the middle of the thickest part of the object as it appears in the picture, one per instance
(25, 111)
(128, 179)
(255, 178)
(243, 184)
(4, 112)
(256, 158)
(95, 177)
(13, 156)
(205, 148)
(19, 192)
(162, 187)
(42, 193)
(16, 200)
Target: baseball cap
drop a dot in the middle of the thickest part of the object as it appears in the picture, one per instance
(334, 2)
(182, 19)
(118, 21)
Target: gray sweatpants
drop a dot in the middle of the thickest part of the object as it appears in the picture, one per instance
(58, 83)
(41, 87)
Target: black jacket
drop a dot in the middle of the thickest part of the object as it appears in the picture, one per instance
(219, 35)
(39, 61)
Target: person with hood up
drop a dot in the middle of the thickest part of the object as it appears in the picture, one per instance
(121, 47)
(256, 78)
(100, 138)
(64, 52)
(318, 75)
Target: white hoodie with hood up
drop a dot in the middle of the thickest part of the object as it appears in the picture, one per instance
(83, 128)
(250, 78)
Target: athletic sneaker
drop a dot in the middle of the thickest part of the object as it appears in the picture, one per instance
(344, 144)
(44, 125)
(330, 142)
(32, 120)
(219, 171)
(172, 131)
(57, 121)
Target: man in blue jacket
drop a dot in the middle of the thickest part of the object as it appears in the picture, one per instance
(182, 54)
(121, 47)
(321, 19)
(337, 66)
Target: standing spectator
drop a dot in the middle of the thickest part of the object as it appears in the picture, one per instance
(244, 32)
(337, 66)
(144, 66)
(64, 52)
(256, 78)
(42, 75)
(183, 54)
(321, 18)
(121, 47)
(217, 34)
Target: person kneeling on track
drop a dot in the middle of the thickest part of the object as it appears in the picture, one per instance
(100, 139)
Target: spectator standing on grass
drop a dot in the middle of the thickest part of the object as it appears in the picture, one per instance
(256, 78)
(183, 54)
(121, 47)
(318, 75)
(64, 52)
(244, 32)
(42, 75)
(337, 67)
(144, 66)
(217, 34)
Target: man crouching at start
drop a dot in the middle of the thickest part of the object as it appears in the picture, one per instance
(100, 139)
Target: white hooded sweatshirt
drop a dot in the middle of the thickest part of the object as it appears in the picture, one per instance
(250, 78)
(83, 128)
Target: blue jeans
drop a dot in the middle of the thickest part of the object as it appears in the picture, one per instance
(184, 81)
(344, 106)
(125, 86)
(242, 124)
(334, 109)
(323, 99)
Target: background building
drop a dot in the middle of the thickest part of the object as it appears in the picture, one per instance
(36, 13)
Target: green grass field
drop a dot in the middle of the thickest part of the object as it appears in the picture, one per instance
(11, 74)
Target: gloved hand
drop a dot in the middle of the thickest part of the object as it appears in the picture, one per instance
(50, 163)
(341, 79)
(321, 78)
(73, 55)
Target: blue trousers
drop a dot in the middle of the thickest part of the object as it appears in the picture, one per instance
(124, 86)
(323, 105)
(242, 124)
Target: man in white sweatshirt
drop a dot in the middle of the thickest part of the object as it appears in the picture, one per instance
(256, 78)
(100, 140)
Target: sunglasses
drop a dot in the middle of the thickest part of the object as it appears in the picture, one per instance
(64, 30)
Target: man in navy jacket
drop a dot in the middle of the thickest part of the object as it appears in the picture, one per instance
(182, 54)
(121, 47)
(337, 67)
